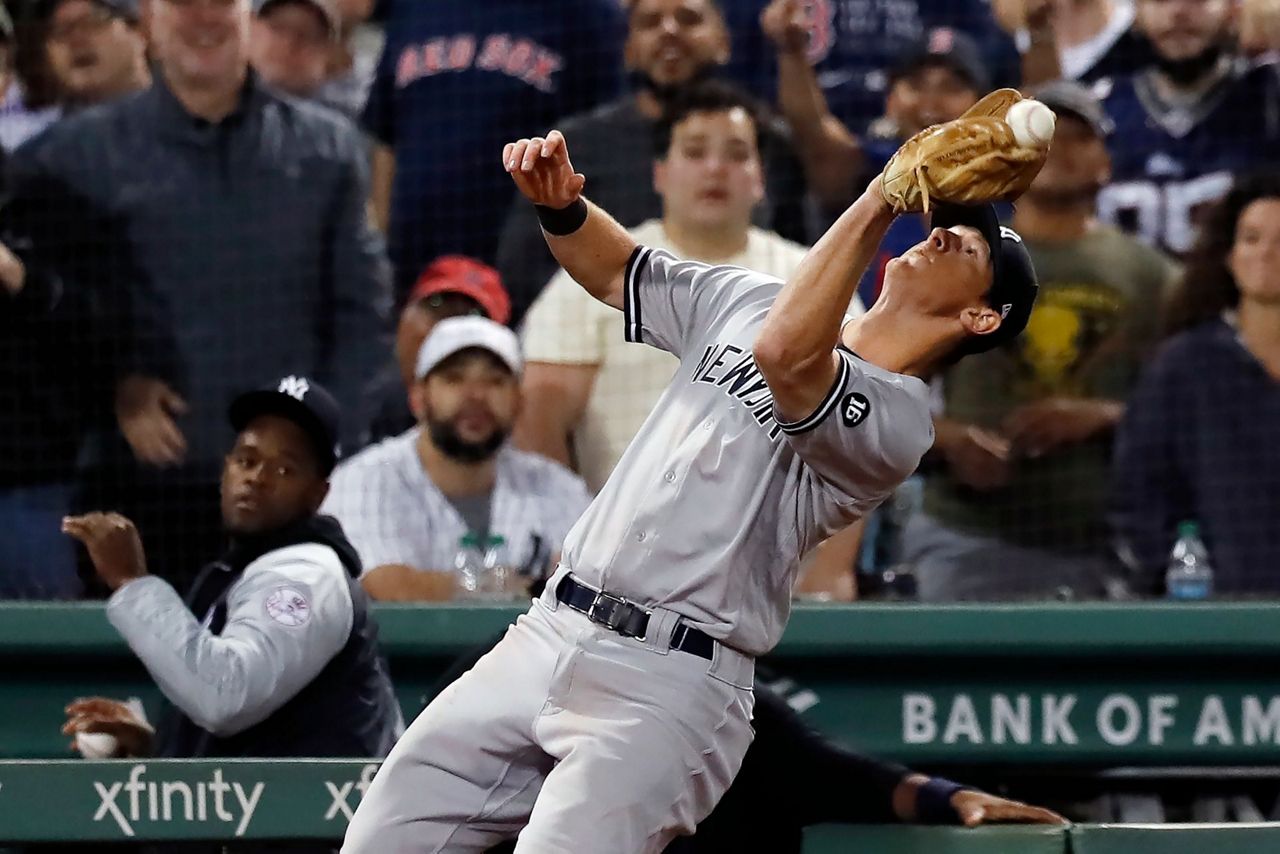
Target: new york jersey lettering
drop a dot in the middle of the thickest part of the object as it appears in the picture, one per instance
(741, 380)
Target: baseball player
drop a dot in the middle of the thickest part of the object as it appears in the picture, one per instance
(616, 712)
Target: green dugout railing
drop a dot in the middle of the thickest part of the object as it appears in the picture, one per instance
(71, 801)
(1072, 684)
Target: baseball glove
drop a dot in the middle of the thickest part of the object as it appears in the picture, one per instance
(971, 160)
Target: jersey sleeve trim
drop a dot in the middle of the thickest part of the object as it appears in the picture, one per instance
(824, 409)
(631, 294)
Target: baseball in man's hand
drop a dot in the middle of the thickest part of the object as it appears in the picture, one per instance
(97, 745)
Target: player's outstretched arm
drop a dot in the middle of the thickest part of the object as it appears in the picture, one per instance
(795, 350)
(587, 242)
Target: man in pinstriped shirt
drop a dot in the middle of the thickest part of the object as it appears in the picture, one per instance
(407, 502)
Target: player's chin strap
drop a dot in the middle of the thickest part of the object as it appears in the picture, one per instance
(933, 801)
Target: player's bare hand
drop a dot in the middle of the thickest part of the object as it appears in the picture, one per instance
(786, 24)
(1038, 428)
(13, 275)
(542, 171)
(977, 808)
(113, 545)
(113, 717)
(145, 410)
(978, 458)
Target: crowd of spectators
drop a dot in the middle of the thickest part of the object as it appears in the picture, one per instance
(202, 195)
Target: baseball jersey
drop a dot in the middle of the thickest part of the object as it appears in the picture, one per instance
(568, 326)
(458, 80)
(715, 501)
(1169, 161)
(393, 513)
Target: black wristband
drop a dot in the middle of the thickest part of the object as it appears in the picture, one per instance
(562, 221)
(933, 802)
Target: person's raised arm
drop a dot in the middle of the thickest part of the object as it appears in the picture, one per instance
(795, 349)
(587, 242)
(831, 153)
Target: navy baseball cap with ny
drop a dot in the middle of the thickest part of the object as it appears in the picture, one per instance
(304, 402)
(1013, 277)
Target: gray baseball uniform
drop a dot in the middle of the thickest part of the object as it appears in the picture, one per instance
(592, 741)
(714, 502)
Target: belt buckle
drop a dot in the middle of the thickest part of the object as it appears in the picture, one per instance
(610, 622)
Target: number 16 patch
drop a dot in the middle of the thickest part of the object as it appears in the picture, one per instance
(854, 409)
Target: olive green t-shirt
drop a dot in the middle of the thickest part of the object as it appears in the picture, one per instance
(1095, 320)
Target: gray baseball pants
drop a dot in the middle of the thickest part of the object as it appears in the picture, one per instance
(569, 735)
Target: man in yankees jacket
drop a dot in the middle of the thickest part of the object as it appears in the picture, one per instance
(274, 651)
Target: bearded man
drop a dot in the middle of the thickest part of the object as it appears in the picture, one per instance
(408, 503)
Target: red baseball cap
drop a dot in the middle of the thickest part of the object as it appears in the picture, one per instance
(458, 274)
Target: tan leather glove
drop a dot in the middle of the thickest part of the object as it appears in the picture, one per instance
(971, 160)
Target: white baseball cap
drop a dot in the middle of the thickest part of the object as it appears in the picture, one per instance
(454, 334)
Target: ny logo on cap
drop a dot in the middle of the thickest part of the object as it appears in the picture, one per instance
(295, 387)
(1010, 234)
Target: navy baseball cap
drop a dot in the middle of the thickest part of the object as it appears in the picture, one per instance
(1013, 277)
(304, 402)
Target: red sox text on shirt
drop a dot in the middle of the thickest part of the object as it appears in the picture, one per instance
(515, 56)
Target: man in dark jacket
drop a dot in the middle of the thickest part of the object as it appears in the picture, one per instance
(274, 652)
(221, 230)
(44, 406)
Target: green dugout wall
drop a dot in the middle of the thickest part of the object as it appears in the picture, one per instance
(999, 686)
(1004, 685)
(129, 801)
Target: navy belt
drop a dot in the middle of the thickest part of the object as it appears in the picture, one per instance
(627, 618)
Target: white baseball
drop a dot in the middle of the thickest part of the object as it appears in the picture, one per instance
(1032, 123)
(97, 745)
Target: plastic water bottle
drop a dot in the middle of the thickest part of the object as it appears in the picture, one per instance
(1190, 576)
(469, 569)
(497, 575)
